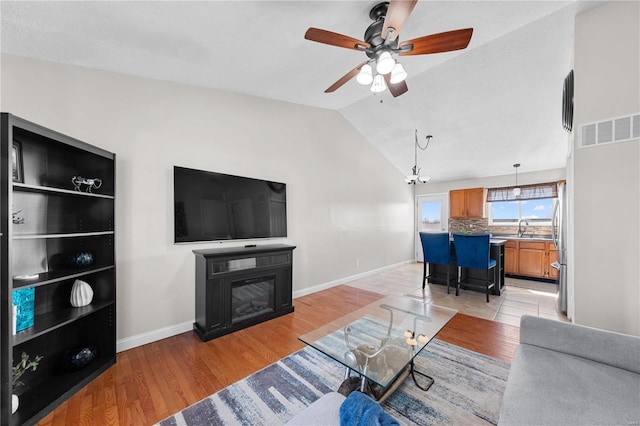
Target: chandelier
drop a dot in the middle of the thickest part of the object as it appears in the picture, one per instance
(415, 177)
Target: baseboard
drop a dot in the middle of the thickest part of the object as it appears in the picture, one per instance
(152, 336)
(163, 333)
(345, 280)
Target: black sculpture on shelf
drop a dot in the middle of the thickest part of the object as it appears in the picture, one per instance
(82, 259)
(78, 358)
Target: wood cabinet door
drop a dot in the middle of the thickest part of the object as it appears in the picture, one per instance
(532, 258)
(457, 208)
(474, 199)
(511, 258)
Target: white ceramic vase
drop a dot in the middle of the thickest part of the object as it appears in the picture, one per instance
(81, 294)
(15, 401)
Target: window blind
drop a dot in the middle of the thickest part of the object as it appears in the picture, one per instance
(528, 192)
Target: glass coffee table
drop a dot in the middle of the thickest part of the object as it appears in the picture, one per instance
(380, 341)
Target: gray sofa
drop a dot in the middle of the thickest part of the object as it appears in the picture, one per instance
(566, 374)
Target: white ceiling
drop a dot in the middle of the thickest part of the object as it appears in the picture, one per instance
(492, 105)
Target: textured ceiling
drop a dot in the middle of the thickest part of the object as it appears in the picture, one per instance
(494, 104)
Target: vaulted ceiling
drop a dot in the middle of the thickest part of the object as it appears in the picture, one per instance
(494, 104)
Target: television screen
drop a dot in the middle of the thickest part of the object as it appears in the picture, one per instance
(211, 206)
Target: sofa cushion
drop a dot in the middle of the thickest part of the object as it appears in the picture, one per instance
(549, 387)
(618, 350)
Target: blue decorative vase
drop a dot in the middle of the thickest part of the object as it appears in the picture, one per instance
(82, 259)
(78, 358)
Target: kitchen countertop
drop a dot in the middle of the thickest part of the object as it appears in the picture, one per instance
(524, 238)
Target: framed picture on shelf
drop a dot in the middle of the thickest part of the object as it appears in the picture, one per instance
(16, 161)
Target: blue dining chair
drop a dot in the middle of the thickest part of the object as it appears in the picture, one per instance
(472, 251)
(437, 249)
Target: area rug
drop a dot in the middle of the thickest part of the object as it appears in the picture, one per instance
(468, 390)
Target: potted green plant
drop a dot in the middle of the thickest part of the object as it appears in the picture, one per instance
(22, 367)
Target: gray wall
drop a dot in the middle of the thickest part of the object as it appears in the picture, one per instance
(606, 208)
(349, 210)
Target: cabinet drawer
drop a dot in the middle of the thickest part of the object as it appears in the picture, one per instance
(533, 245)
(511, 244)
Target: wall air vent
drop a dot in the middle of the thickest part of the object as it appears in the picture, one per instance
(618, 129)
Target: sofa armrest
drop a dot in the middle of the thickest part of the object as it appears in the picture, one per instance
(607, 347)
(324, 411)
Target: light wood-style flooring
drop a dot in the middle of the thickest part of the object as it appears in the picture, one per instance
(151, 382)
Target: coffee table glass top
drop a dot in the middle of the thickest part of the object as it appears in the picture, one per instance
(380, 340)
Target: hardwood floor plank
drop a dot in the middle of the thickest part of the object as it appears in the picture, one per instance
(151, 382)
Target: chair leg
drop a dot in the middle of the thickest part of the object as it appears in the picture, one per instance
(487, 285)
(458, 283)
(424, 274)
(448, 280)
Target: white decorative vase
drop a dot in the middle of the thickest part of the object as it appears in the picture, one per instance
(15, 401)
(81, 294)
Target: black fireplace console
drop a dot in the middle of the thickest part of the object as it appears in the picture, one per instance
(239, 287)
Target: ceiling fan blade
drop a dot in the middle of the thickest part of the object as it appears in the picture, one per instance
(437, 43)
(342, 80)
(397, 14)
(335, 39)
(395, 89)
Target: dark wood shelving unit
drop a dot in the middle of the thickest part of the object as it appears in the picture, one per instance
(45, 221)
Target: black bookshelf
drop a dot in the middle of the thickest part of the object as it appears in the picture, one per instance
(57, 217)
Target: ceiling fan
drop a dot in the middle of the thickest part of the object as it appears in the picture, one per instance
(381, 44)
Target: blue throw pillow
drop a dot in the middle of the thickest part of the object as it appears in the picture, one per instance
(360, 409)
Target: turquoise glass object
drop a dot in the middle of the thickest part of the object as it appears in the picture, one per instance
(24, 300)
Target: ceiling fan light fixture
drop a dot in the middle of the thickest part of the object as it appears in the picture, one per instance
(365, 76)
(398, 74)
(378, 84)
(385, 63)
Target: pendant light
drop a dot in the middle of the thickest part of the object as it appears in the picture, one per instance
(415, 177)
(516, 190)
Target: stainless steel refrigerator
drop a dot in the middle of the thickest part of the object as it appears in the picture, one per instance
(559, 234)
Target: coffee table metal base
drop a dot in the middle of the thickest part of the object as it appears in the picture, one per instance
(378, 393)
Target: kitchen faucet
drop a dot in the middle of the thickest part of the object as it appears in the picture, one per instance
(520, 229)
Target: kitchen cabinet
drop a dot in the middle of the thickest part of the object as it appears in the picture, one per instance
(467, 203)
(531, 258)
(511, 257)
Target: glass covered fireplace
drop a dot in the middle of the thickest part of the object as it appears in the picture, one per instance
(241, 286)
(252, 297)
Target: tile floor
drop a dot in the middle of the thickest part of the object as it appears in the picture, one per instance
(521, 296)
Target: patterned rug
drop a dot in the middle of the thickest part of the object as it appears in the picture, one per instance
(468, 390)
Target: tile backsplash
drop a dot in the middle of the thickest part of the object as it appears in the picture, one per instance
(482, 225)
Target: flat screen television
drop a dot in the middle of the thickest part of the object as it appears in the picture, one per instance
(211, 206)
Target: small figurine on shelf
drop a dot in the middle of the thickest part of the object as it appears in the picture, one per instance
(17, 220)
(22, 367)
(78, 181)
(82, 259)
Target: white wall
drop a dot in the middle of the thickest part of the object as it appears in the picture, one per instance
(345, 201)
(606, 205)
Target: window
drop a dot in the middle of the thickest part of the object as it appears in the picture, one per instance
(534, 204)
(536, 212)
